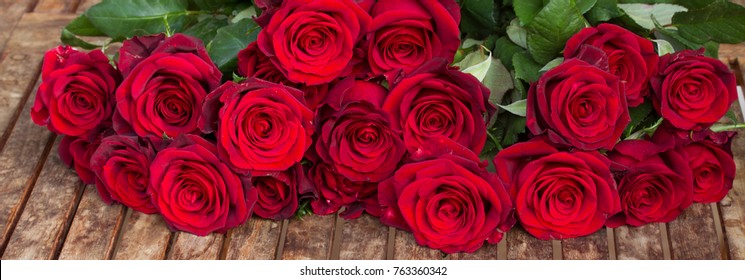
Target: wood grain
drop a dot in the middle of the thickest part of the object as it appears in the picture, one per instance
(255, 240)
(143, 237)
(523, 246)
(693, 236)
(639, 243)
(309, 238)
(733, 205)
(487, 252)
(85, 4)
(191, 247)
(49, 211)
(94, 229)
(591, 247)
(56, 6)
(406, 248)
(364, 238)
(21, 61)
(11, 12)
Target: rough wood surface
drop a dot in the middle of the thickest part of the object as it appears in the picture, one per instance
(46, 218)
(692, 234)
(11, 12)
(364, 238)
(94, 229)
(187, 246)
(523, 246)
(309, 238)
(406, 248)
(256, 240)
(487, 252)
(733, 205)
(85, 4)
(56, 6)
(143, 237)
(20, 64)
(591, 247)
(639, 243)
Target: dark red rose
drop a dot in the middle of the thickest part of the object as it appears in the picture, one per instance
(333, 192)
(558, 194)
(279, 192)
(76, 94)
(122, 166)
(578, 104)
(195, 191)
(436, 101)
(408, 33)
(447, 199)
(137, 49)
(313, 41)
(709, 156)
(355, 133)
(163, 94)
(253, 63)
(692, 91)
(77, 151)
(631, 58)
(260, 125)
(655, 183)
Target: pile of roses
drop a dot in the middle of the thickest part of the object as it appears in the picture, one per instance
(352, 105)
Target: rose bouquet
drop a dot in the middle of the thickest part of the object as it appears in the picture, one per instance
(453, 120)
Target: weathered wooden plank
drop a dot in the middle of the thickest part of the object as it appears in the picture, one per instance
(406, 248)
(487, 252)
(591, 247)
(692, 234)
(11, 12)
(85, 4)
(21, 61)
(191, 247)
(733, 205)
(94, 229)
(143, 237)
(309, 238)
(364, 238)
(56, 6)
(255, 240)
(639, 243)
(523, 246)
(46, 218)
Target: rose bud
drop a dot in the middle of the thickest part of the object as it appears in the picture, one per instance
(279, 191)
(558, 194)
(77, 151)
(333, 191)
(445, 197)
(195, 191)
(692, 91)
(76, 94)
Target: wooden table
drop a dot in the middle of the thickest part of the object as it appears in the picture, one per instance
(47, 213)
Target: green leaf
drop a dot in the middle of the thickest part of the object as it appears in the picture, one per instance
(552, 64)
(80, 26)
(517, 34)
(211, 5)
(663, 47)
(526, 10)
(123, 19)
(517, 108)
(499, 81)
(505, 50)
(585, 5)
(551, 28)
(68, 38)
(638, 114)
(642, 14)
(731, 115)
(206, 29)
(721, 22)
(603, 10)
(526, 68)
(229, 41)
(476, 63)
(477, 17)
(509, 128)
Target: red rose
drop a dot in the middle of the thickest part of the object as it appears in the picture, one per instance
(195, 191)
(709, 156)
(76, 94)
(631, 58)
(447, 199)
(278, 192)
(122, 166)
(355, 134)
(406, 34)
(655, 183)
(578, 104)
(260, 125)
(313, 41)
(333, 191)
(692, 91)
(558, 194)
(253, 63)
(436, 101)
(137, 49)
(77, 151)
(163, 94)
